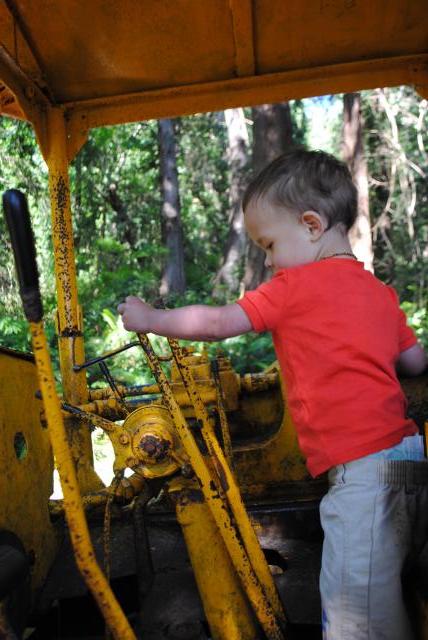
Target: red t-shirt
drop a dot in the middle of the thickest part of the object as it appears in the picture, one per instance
(337, 332)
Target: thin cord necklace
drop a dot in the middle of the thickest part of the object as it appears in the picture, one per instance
(342, 253)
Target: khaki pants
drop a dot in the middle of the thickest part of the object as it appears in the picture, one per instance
(375, 519)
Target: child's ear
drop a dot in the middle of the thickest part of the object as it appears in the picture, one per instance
(314, 224)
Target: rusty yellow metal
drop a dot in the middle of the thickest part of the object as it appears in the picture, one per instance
(252, 382)
(225, 431)
(204, 380)
(230, 488)
(145, 442)
(125, 490)
(103, 403)
(108, 408)
(243, 36)
(249, 382)
(79, 533)
(70, 339)
(69, 322)
(269, 88)
(93, 420)
(142, 66)
(24, 98)
(272, 462)
(155, 447)
(208, 483)
(106, 392)
(89, 502)
(119, 437)
(275, 460)
(226, 607)
(241, 52)
(25, 454)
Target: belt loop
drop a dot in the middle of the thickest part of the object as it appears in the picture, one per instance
(393, 472)
(410, 479)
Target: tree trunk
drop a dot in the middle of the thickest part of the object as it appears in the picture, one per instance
(173, 278)
(228, 274)
(353, 154)
(125, 226)
(272, 135)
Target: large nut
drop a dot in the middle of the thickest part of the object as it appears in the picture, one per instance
(154, 447)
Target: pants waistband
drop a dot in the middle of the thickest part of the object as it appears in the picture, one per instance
(394, 472)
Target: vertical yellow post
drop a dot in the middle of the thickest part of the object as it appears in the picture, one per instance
(225, 604)
(70, 338)
(92, 574)
(18, 222)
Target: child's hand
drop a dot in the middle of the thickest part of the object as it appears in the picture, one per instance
(135, 314)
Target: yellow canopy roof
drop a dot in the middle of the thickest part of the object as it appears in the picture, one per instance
(110, 61)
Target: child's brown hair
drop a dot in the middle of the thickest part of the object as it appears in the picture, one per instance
(302, 180)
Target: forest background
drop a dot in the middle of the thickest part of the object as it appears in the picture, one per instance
(156, 211)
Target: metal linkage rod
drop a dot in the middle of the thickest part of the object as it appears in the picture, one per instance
(113, 386)
(105, 356)
(237, 551)
(230, 487)
(225, 433)
(96, 421)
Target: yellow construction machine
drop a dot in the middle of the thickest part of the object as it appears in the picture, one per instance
(215, 533)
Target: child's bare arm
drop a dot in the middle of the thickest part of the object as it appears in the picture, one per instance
(195, 322)
(413, 361)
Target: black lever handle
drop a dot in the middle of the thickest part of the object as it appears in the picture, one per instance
(21, 235)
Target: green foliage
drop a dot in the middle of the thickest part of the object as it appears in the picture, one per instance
(418, 320)
(250, 353)
(22, 167)
(396, 142)
(14, 332)
(203, 179)
(116, 203)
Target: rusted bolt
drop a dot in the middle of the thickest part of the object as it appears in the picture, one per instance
(124, 438)
(154, 446)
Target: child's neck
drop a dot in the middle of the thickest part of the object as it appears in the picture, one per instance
(334, 243)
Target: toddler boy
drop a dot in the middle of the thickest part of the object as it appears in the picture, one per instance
(339, 336)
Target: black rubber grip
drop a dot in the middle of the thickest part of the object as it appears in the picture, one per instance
(21, 234)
